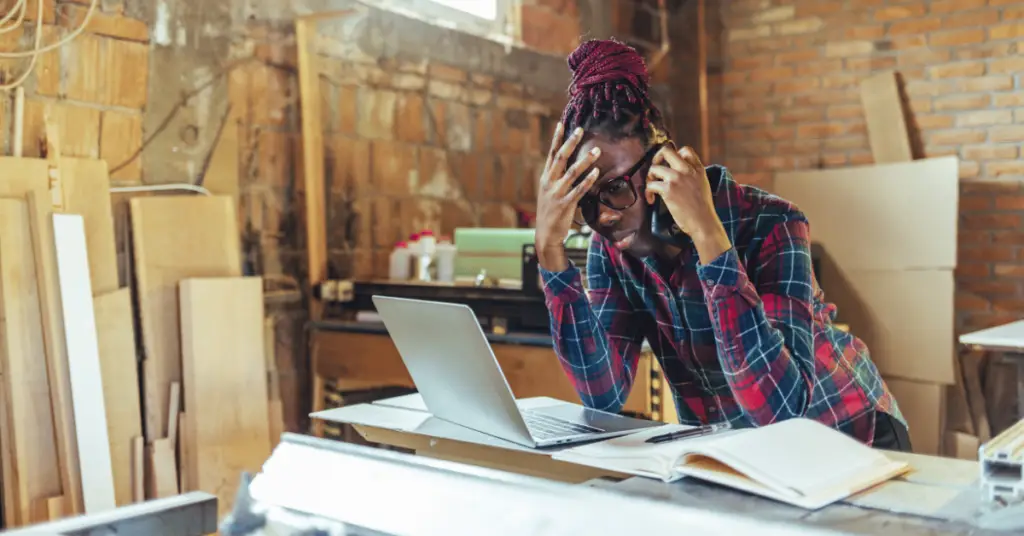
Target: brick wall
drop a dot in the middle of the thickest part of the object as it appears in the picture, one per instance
(789, 99)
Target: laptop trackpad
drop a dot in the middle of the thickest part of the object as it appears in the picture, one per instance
(598, 419)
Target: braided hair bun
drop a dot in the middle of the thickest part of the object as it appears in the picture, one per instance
(609, 91)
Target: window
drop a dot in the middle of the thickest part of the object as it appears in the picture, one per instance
(487, 18)
(485, 9)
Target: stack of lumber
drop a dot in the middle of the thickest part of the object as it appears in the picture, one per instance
(204, 378)
(87, 421)
(889, 237)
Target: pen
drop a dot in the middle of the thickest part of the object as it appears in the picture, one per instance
(684, 434)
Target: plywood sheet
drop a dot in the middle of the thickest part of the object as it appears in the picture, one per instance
(923, 406)
(29, 436)
(115, 332)
(885, 217)
(223, 361)
(86, 187)
(84, 363)
(173, 238)
(906, 318)
(887, 123)
(28, 179)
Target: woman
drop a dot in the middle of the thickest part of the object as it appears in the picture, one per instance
(722, 287)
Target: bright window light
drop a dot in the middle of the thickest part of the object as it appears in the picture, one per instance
(487, 9)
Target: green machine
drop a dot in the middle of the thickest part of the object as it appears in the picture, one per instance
(499, 251)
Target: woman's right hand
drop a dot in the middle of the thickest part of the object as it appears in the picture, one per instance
(557, 198)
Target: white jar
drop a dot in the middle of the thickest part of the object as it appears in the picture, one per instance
(445, 256)
(399, 265)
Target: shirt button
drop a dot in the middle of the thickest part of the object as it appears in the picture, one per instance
(710, 282)
(712, 409)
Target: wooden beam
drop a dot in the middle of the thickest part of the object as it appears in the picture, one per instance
(702, 81)
(312, 160)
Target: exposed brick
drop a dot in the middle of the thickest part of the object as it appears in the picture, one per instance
(976, 19)
(1012, 238)
(1013, 12)
(120, 140)
(985, 83)
(990, 152)
(107, 24)
(875, 31)
(969, 169)
(410, 121)
(800, 115)
(841, 81)
(958, 70)
(952, 6)
(963, 102)
(799, 26)
(990, 221)
(1007, 31)
(446, 72)
(1005, 169)
(819, 67)
(1013, 65)
(805, 9)
(870, 64)
(740, 34)
(1011, 133)
(922, 88)
(969, 302)
(798, 56)
(955, 38)
(842, 49)
(1005, 100)
(394, 167)
(798, 85)
(972, 269)
(768, 75)
(900, 12)
(985, 117)
(376, 113)
(956, 136)
(933, 121)
(915, 26)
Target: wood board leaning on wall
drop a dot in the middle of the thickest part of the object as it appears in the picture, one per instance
(64, 310)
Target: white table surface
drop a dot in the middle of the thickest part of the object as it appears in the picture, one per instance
(1010, 336)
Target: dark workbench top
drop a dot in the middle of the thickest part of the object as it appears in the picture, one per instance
(377, 328)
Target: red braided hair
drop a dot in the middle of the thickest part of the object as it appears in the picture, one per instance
(609, 91)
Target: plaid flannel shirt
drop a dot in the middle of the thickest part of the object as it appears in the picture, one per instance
(746, 338)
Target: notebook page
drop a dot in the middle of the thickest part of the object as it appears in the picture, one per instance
(631, 454)
(801, 455)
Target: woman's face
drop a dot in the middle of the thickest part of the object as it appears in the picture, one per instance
(628, 229)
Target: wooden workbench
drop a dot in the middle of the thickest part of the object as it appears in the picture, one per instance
(358, 356)
(939, 496)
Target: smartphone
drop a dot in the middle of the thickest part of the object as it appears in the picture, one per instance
(663, 226)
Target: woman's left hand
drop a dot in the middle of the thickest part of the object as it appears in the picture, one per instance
(679, 178)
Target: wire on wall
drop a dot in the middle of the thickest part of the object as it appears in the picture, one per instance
(13, 20)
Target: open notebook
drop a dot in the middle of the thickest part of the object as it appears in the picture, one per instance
(797, 461)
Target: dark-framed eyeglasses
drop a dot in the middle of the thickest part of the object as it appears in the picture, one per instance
(619, 193)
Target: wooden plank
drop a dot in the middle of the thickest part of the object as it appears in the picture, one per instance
(40, 212)
(173, 238)
(163, 473)
(115, 332)
(312, 159)
(28, 178)
(138, 469)
(29, 437)
(905, 215)
(887, 123)
(86, 185)
(223, 366)
(84, 363)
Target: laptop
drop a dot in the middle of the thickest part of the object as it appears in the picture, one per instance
(457, 374)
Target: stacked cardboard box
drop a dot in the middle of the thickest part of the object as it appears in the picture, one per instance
(889, 238)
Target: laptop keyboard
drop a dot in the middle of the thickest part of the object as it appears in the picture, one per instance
(546, 427)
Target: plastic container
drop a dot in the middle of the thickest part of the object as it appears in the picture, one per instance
(399, 267)
(445, 260)
(414, 255)
(425, 270)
